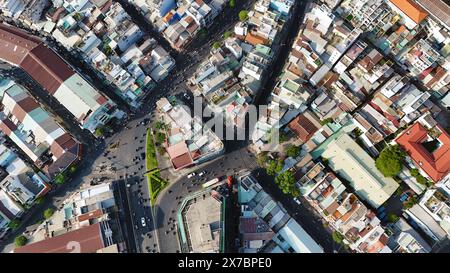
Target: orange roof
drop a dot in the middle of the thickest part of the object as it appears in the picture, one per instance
(168, 16)
(411, 9)
(255, 39)
(435, 164)
(400, 29)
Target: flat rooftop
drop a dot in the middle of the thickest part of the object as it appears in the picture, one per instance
(203, 229)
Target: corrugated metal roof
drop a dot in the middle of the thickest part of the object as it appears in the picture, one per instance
(47, 68)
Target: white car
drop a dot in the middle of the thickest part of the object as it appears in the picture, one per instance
(297, 201)
(191, 175)
(202, 173)
(143, 221)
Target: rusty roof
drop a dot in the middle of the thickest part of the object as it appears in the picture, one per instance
(47, 68)
(89, 239)
(15, 44)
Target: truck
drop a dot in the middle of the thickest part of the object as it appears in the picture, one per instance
(210, 183)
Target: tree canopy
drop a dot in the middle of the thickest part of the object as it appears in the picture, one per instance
(262, 158)
(390, 161)
(232, 3)
(48, 213)
(39, 200)
(227, 34)
(14, 224)
(325, 121)
(392, 218)
(274, 166)
(216, 45)
(73, 169)
(243, 15)
(20, 240)
(60, 178)
(286, 182)
(337, 237)
(293, 150)
(160, 137)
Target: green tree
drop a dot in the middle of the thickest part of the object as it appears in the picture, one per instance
(60, 178)
(326, 121)
(274, 166)
(419, 178)
(390, 160)
(295, 192)
(14, 224)
(39, 200)
(392, 218)
(357, 132)
(261, 159)
(48, 213)
(282, 137)
(232, 3)
(293, 150)
(20, 240)
(160, 137)
(99, 131)
(337, 237)
(216, 45)
(161, 150)
(202, 33)
(243, 15)
(160, 125)
(286, 182)
(411, 202)
(73, 169)
(107, 50)
(227, 34)
(414, 172)
(77, 16)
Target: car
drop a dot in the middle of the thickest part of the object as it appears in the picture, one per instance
(143, 222)
(202, 173)
(191, 175)
(297, 201)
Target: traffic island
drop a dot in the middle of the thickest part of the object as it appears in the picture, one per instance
(155, 183)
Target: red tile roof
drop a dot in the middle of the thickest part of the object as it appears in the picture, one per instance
(302, 127)
(182, 161)
(255, 39)
(179, 155)
(90, 215)
(436, 164)
(89, 239)
(411, 9)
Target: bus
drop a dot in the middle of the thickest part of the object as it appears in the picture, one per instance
(210, 183)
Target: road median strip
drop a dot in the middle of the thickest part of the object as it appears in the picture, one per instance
(155, 183)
